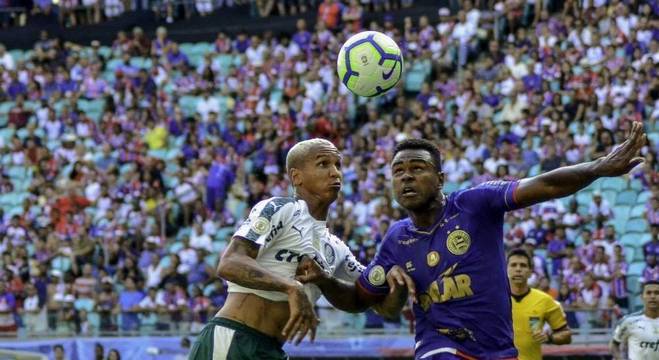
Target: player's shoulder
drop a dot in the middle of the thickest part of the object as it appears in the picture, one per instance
(398, 228)
(269, 207)
(543, 298)
(631, 318)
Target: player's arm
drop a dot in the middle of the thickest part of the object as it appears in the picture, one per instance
(562, 336)
(619, 337)
(350, 297)
(567, 180)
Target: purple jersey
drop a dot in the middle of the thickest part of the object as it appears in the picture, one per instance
(459, 268)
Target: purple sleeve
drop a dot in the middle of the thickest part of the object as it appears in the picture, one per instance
(373, 278)
(493, 195)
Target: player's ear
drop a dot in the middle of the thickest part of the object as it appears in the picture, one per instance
(440, 178)
(296, 177)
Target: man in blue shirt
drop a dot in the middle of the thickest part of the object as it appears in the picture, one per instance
(452, 248)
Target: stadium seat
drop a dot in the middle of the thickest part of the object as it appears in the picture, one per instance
(636, 268)
(629, 239)
(633, 285)
(636, 184)
(535, 170)
(638, 211)
(643, 197)
(621, 212)
(627, 197)
(630, 253)
(450, 187)
(638, 255)
(175, 247)
(84, 304)
(211, 260)
(414, 80)
(165, 261)
(615, 183)
(636, 226)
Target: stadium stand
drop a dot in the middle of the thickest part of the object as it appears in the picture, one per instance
(125, 168)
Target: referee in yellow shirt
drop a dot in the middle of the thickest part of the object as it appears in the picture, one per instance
(533, 308)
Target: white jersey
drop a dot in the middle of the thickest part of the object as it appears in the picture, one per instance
(285, 231)
(639, 334)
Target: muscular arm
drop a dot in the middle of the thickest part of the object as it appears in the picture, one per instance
(567, 180)
(239, 266)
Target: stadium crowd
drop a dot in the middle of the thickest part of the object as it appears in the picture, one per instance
(126, 168)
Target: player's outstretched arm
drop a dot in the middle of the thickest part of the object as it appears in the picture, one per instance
(349, 297)
(616, 351)
(239, 266)
(568, 180)
(561, 337)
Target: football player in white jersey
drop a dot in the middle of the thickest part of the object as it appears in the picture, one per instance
(637, 334)
(266, 305)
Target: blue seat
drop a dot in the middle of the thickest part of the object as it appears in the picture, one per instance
(165, 261)
(175, 247)
(450, 187)
(633, 284)
(638, 211)
(211, 260)
(630, 252)
(615, 183)
(643, 197)
(636, 226)
(627, 197)
(629, 240)
(621, 212)
(84, 304)
(636, 268)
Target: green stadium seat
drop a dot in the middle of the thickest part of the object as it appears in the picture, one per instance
(636, 225)
(186, 48)
(113, 64)
(165, 261)
(627, 197)
(209, 289)
(638, 255)
(610, 196)
(224, 234)
(105, 51)
(636, 184)
(188, 104)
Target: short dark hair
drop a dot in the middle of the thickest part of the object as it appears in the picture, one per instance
(649, 282)
(520, 252)
(421, 144)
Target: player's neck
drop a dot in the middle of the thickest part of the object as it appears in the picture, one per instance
(317, 208)
(651, 313)
(519, 289)
(427, 217)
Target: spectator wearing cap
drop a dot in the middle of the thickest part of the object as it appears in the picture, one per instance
(599, 208)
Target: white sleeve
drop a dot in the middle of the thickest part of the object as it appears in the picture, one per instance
(620, 332)
(266, 220)
(348, 268)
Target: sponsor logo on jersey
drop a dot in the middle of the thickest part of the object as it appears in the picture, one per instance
(458, 242)
(376, 276)
(286, 255)
(654, 345)
(261, 226)
(408, 241)
(330, 256)
(447, 287)
(432, 258)
(409, 266)
(274, 231)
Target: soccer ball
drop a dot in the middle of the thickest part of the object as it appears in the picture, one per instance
(370, 63)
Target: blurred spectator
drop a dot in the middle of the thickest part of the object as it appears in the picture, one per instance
(651, 271)
(8, 309)
(129, 300)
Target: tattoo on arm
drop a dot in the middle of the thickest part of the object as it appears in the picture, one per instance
(238, 265)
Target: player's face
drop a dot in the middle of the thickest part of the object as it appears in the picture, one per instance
(519, 270)
(415, 178)
(321, 175)
(651, 296)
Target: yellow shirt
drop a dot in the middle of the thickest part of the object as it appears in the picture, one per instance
(535, 308)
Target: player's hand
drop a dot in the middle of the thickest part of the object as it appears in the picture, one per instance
(397, 278)
(302, 318)
(625, 157)
(540, 336)
(309, 271)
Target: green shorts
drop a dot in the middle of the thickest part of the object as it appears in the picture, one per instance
(224, 339)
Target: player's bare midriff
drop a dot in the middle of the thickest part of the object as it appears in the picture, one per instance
(266, 316)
